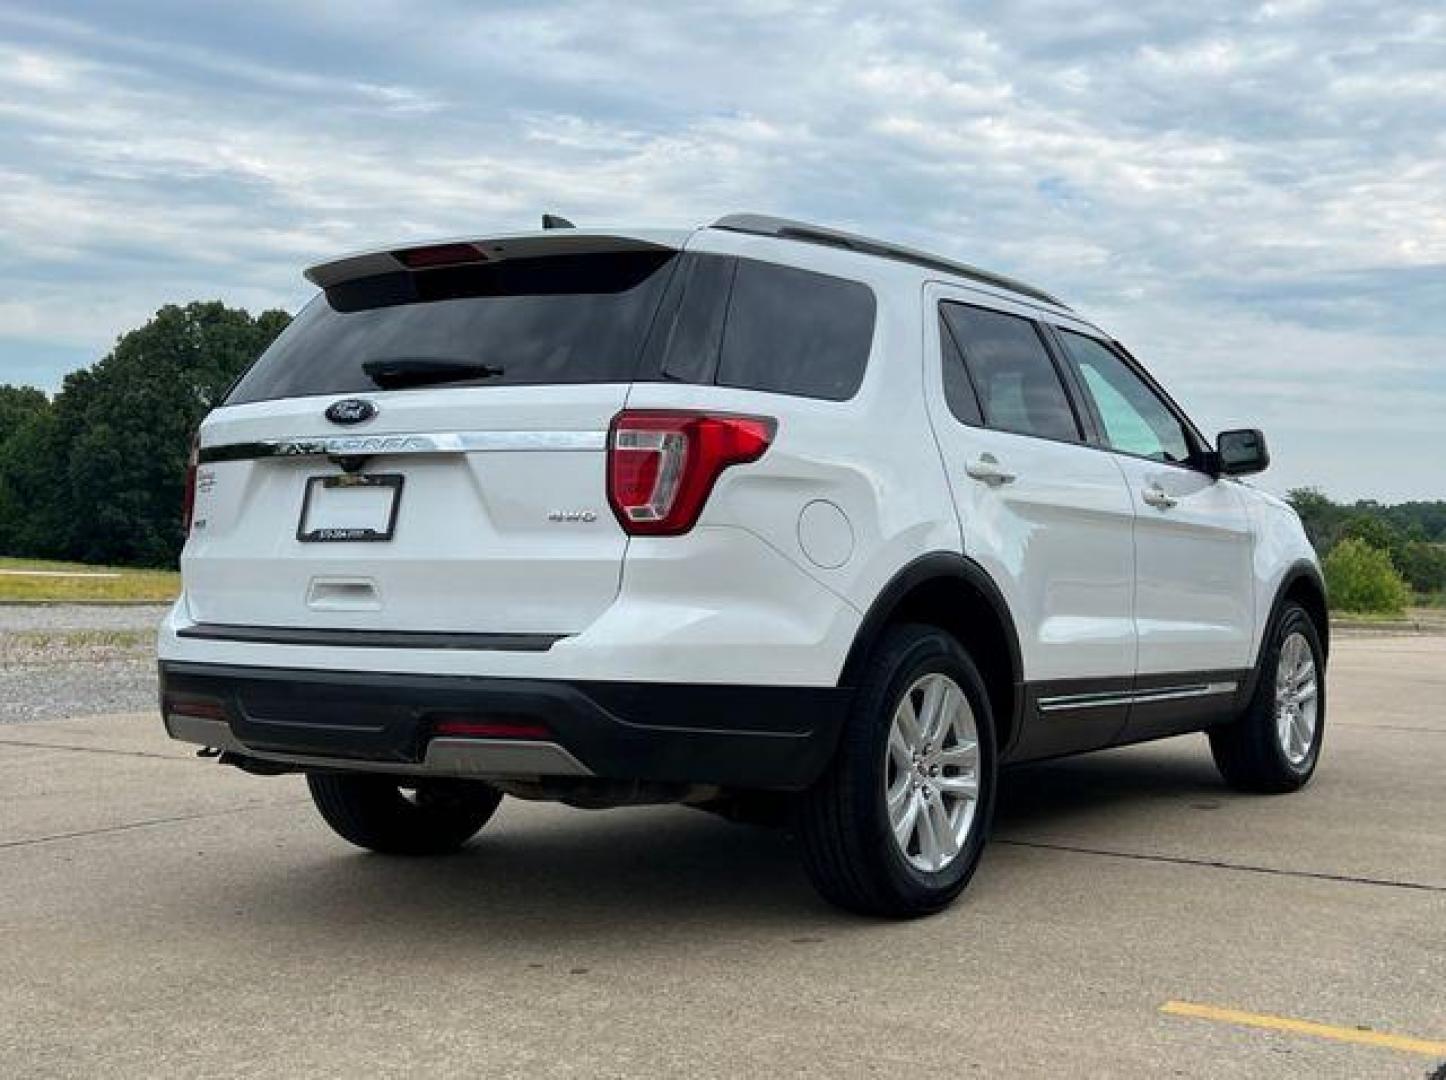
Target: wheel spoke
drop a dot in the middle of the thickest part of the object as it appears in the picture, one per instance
(900, 752)
(932, 718)
(907, 817)
(906, 722)
(929, 839)
(1301, 729)
(961, 786)
(963, 754)
(943, 830)
(1305, 692)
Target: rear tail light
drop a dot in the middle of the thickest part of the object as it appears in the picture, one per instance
(188, 500)
(662, 465)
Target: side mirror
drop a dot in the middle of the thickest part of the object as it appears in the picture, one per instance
(1239, 453)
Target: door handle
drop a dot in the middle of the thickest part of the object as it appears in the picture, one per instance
(987, 470)
(1157, 497)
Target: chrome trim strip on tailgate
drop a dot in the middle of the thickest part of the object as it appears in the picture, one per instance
(431, 442)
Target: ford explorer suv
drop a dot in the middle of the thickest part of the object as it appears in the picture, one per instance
(762, 517)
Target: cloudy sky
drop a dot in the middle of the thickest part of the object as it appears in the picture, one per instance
(1251, 195)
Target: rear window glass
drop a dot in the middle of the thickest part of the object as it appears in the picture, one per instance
(559, 319)
(796, 332)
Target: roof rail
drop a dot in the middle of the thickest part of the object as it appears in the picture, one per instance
(785, 229)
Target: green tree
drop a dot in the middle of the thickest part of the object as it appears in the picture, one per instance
(109, 466)
(1322, 518)
(1423, 566)
(1377, 531)
(26, 421)
(17, 405)
(1361, 578)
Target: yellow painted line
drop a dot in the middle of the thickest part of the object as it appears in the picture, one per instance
(1407, 1043)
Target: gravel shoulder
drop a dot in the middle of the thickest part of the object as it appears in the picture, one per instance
(62, 660)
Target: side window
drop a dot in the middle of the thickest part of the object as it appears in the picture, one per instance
(958, 393)
(1018, 388)
(793, 331)
(1135, 420)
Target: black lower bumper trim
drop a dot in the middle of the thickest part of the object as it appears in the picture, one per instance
(734, 736)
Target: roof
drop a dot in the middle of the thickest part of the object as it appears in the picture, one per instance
(786, 229)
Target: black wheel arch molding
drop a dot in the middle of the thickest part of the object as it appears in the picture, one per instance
(941, 566)
(1300, 571)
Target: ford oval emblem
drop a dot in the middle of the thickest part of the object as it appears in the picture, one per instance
(350, 411)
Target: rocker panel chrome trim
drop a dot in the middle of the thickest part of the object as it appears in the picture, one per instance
(1136, 697)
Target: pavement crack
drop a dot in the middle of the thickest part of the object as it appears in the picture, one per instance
(149, 823)
(91, 749)
(1221, 864)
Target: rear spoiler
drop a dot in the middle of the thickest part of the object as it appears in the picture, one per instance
(452, 252)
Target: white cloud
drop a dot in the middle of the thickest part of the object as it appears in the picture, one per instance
(1238, 189)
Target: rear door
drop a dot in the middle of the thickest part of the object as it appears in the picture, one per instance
(1047, 517)
(425, 449)
(1195, 586)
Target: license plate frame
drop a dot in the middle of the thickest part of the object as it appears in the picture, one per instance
(350, 534)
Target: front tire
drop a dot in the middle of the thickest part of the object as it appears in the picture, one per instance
(897, 824)
(1276, 743)
(432, 817)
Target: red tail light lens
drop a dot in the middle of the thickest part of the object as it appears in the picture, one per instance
(662, 465)
(188, 500)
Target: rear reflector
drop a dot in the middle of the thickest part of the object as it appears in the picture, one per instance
(422, 258)
(193, 706)
(662, 465)
(490, 729)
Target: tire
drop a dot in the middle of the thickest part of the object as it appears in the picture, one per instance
(373, 812)
(845, 825)
(1265, 750)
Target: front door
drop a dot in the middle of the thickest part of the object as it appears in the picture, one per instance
(1194, 602)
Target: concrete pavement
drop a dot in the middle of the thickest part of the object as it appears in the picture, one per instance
(161, 915)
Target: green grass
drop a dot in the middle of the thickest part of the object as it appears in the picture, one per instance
(32, 584)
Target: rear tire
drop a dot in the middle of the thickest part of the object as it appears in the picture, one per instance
(432, 818)
(862, 849)
(1276, 743)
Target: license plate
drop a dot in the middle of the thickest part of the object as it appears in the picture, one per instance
(351, 507)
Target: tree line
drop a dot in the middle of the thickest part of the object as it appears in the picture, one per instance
(96, 473)
(1377, 556)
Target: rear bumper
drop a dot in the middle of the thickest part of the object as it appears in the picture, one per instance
(734, 736)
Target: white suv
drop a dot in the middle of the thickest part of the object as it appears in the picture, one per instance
(761, 517)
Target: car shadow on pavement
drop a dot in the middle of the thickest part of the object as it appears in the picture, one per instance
(1095, 786)
(556, 875)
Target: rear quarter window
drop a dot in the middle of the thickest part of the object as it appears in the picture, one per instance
(793, 331)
